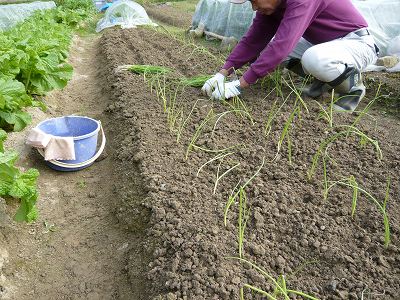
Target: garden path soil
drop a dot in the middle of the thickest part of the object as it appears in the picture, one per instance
(77, 249)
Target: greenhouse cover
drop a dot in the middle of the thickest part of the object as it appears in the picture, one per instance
(227, 19)
(11, 14)
(125, 13)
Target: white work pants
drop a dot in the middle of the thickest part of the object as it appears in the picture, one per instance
(327, 61)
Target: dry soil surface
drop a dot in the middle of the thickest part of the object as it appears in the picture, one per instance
(291, 229)
(146, 223)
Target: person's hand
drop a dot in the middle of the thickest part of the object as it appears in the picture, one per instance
(231, 89)
(216, 82)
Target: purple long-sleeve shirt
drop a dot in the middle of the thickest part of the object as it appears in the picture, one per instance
(318, 21)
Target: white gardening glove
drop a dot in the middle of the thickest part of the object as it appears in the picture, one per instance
(231, 89)
(214, 83)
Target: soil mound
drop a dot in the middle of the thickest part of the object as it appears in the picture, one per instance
(319, 247)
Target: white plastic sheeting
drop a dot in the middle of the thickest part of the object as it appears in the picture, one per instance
(11, 14)
(224, 18)
(383, 17)
(125, 13)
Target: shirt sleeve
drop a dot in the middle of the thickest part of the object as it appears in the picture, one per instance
(296, 19)
(257, 37)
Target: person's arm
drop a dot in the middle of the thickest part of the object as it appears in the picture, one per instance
(297, 18)
(257, 37)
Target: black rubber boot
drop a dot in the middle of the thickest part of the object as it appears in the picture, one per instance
(351, 90)
(315, 89)
(294, 65)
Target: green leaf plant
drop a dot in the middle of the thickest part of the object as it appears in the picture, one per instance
(17, 184)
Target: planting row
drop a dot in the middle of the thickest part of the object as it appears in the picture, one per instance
(295, 186)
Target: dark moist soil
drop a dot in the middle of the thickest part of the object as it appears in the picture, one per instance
(291, 230)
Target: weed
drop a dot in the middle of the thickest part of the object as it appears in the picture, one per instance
(48, 227)
(81, 184)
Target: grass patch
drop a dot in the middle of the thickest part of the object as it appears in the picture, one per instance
(188, 6)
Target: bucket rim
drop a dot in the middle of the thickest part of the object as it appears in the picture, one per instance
(79, 137)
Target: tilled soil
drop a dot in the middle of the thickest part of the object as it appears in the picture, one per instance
(186, 248)
(167, 14)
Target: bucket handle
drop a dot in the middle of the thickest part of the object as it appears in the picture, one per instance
(84, 163)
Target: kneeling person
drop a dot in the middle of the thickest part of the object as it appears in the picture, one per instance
(327, 39)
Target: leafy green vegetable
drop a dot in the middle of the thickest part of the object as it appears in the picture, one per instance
(3, 137)
(85, 5)
(46, 73)
(32, 62)
(19, 185)
(10, 58)
(13, 98)
(45, 44)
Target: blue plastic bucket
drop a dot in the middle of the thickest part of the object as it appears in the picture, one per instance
(84, 131)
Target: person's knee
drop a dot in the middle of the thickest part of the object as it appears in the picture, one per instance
(321, 64)
(312, 64)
